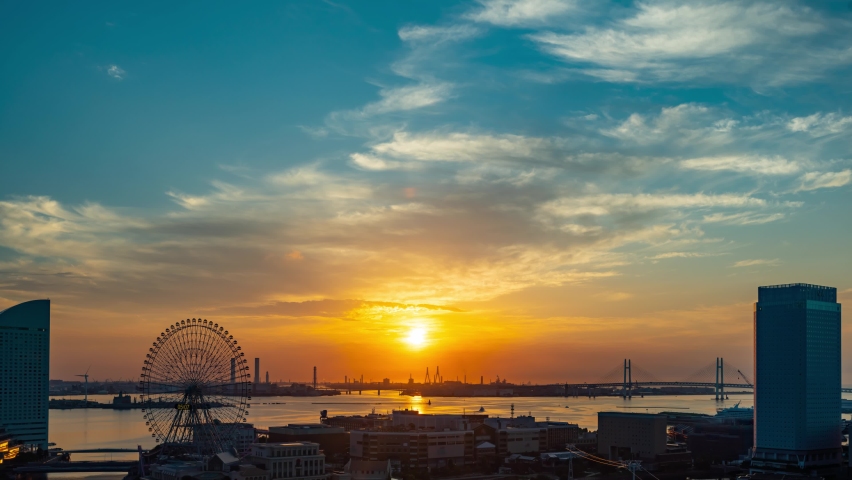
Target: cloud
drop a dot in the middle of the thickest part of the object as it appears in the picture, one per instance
(820, 124)
(501, 152)
(514, 13)
(667, 255)
(371, 162)
(743, 218)
(755, 42)
(116, 72)
(408, 98)
(743, 164)
(687, 124)
(817, 180)
(608, 204)
(758, 262)
(437, 34)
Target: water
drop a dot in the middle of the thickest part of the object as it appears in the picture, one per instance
(99, 428)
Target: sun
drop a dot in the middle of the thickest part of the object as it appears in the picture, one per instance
(416, 337)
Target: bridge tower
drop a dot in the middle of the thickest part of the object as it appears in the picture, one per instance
(428, 378)
(627, 386)
(720, 378)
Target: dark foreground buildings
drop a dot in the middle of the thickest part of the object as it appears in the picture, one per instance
(797, 386)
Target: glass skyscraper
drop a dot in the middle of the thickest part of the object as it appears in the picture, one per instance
(24, 370)
(797, 379)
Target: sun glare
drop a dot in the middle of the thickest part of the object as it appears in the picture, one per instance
(416, 337)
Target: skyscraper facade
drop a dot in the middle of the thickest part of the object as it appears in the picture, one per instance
(797, 378)
(24, 370)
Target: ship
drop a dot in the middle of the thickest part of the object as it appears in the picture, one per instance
(735, 413)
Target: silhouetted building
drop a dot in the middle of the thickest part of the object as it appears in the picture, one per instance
(332, 440)
(358, 422)
(296, 460)
(413, 419)
(24, 369)
(797, 384)
(414, 448)
(631, 435)
(714, 442)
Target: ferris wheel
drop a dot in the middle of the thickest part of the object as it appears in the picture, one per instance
(195, 387)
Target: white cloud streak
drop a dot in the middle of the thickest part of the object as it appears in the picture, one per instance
(521, 13)
(818, 180)
(760, 42)
(743, 164)
(757, 263)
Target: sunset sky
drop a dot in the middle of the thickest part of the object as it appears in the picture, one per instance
(530, 189)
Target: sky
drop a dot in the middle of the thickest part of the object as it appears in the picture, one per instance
(534, 190)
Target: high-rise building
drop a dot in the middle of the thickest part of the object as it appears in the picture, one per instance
(797, 422)
(24, 370)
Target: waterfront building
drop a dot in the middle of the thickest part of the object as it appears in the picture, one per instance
(24, 370)
(631, 435)
(797, 385)
(515, 435)
(414, 448)
(294, 460)
(414, 420)
(358, 422)
(509, 440)
(332, 440)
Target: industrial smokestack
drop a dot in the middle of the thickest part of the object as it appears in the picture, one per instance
(256, 370)
(233, 371)
(315, 378)
(267, 376)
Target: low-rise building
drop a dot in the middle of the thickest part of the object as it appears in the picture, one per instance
(631, 435)
(414, 448)
(510, 440)
(333, 440)
(358, 422)
(369, 469)
(297, 460)
(414, 420)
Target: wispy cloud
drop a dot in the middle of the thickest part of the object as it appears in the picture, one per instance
(438, 34)
(411, 97)
(667, 255)
(720, 42)
(743, 218)
(743, 164)
(821, 124)
(757, 263)
(607, 204)
(512, 13)
(817, 180)
(116, 72)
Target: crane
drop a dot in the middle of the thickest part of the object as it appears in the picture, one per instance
(745, 378)
(86, 388)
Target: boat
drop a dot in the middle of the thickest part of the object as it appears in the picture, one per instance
(734, 413)
(481, 409)
(429, 402)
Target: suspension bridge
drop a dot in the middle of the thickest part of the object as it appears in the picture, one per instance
(630, 378)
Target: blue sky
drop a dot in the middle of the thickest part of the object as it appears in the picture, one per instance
(554, 172)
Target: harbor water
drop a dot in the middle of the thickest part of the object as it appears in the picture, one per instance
(96, 428)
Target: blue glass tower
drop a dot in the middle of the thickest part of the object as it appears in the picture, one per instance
(24, 370)
(797, 385)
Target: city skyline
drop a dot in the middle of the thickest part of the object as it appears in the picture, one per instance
(535, 190)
